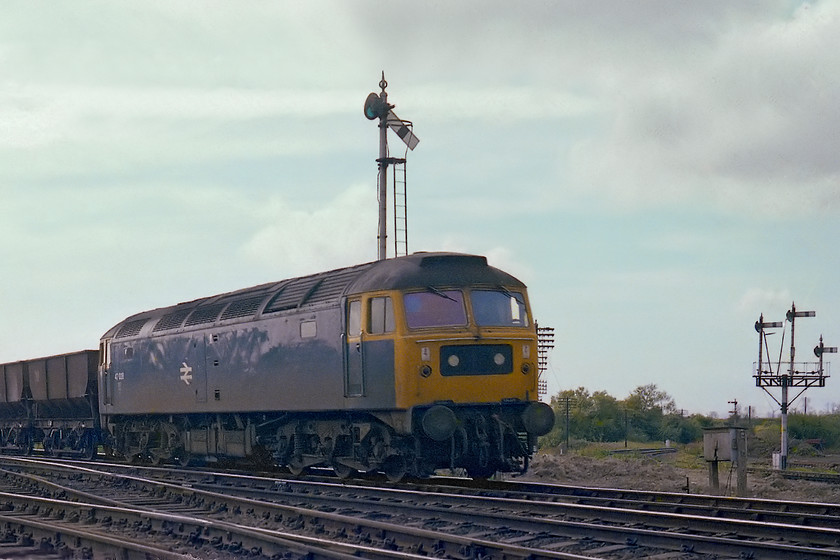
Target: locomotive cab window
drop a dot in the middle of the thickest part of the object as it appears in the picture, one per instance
(354, 318)
(105, 353)
(435, 308)
(380, 315)
(499, 308)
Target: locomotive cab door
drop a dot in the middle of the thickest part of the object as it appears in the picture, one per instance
(354, 377)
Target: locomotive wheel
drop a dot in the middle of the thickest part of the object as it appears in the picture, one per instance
(164, 443)
(182, 457)
(296, 466)
(480, 473)
(343, 471)
(395, 468)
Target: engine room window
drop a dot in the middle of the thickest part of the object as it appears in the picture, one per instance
(435, 308)
(308, 329)
(499, 308)
(381, 318)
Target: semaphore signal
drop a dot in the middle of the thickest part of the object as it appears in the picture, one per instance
(803, 375)
(377, 107)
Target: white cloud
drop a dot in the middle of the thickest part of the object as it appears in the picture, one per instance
(745, 123)
(499, 104)
(39, 115)
(774, 302)
(294, 241)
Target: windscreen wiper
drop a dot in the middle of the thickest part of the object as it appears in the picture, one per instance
(510, 295)
(441, 294)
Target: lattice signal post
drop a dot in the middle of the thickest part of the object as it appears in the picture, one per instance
(545, 342)
(798, 375)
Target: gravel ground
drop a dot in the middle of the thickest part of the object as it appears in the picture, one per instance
(645, 473)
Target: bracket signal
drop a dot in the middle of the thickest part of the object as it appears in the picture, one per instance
(799, 375)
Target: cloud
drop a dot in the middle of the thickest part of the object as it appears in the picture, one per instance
(745, 123)
(774, 301)
(37, 115)
(497, 104)
(294, 241)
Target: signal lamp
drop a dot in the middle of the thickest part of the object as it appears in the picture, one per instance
(375, 107)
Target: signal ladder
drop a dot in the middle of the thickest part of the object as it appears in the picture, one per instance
(545, 342)
(400, 208)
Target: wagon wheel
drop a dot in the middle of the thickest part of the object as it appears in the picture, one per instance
(27, 445)
(89, 447)
(52, 444)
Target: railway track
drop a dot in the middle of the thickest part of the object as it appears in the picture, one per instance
(812, 475)
(196, 513)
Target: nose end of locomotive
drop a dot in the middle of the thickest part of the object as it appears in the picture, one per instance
(538, 418)
(439, 422)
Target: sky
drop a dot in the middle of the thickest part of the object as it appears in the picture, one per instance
(658, 173)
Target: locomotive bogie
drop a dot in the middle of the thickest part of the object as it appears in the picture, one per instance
(180, 439)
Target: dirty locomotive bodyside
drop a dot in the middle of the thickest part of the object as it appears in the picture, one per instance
(404, 366)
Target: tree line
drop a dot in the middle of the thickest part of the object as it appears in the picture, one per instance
(648, 414)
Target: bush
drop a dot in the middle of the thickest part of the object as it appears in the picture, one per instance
(824, 427)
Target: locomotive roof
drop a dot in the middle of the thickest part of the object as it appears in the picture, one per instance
(325, 288)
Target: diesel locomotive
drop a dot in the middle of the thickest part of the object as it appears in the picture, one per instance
(403, 366)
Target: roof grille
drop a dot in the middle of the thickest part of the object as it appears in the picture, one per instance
(333, 286)
(171, 320)
(290, 296)
(313, 290)
(131, 328)
(242, 308)
(204, 314)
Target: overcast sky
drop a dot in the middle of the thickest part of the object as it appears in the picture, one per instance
(658, 173)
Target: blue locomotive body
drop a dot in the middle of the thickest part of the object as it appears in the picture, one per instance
(405, 366)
